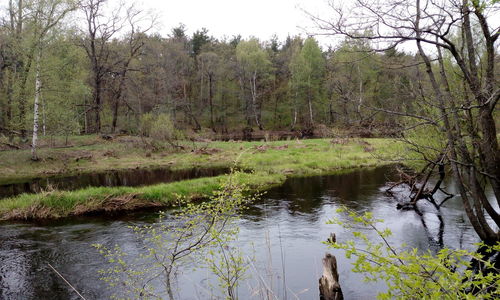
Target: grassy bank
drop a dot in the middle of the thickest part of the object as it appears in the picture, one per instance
(271, 163)
(59, 204)
(92, 154)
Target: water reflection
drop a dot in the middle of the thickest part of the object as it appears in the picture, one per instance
(307, 196)
(287, 225)
(129, 177)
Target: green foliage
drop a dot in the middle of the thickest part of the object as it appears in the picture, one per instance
(425, 142)
(160, 129)
(163, 129)
(146, 123)
(252, 57)
(200, 38)
(226, 262)
(307, 67)
(64, 89)
(410, 274)
(313, 58)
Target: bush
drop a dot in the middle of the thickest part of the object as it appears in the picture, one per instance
(323, 131)
(160, 129)
(410, 274)
(163, 129)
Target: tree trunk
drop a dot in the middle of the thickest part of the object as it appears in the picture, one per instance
(210, 100)
(10, 84)
(168, 282)
(360, 99)
(309, 102)
(295, 112)
(253, 89)
(116, 105)
(248, 110)
(44, 119)
(455, 144)
(188, 110)
(118, 96)
(331, 113)
(97, 105)
(38, 90)
(329, 286)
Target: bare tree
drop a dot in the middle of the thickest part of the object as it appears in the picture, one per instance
(134, 41)
(100, 29)
(466, 116)
(209, 62)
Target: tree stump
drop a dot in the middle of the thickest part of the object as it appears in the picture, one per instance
(329, 287)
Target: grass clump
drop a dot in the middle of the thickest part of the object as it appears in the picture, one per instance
(58, 204)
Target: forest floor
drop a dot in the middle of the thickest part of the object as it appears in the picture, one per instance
(267, 163)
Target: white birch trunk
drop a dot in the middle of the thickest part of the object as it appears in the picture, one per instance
(44, 127)
(360, 102)
(38, 87)
(253, 88)
(309, 100)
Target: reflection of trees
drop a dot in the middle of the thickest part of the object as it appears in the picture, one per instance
(436, 242)
(133, 177)
(426, 197)
(307, 195)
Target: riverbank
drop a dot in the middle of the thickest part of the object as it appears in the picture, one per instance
(270, 164)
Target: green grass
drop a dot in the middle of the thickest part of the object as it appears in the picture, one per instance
(126, 152)
(58, 204)
(271, 164)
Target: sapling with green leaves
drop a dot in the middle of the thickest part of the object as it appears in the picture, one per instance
(177, 238)
(227, 263)
(413, 274)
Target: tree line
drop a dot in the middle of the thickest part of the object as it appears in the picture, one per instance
(102, 74)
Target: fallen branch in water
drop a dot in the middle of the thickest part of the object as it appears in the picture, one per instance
(418, 188)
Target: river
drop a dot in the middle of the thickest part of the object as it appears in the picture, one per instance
(282, 234)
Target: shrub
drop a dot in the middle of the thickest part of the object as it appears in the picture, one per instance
(161, 131)
(409, 274)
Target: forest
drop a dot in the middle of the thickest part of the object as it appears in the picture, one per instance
(105, 77)
(163, 155)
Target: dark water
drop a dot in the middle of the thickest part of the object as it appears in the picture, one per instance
(129, 177)
(288, 226)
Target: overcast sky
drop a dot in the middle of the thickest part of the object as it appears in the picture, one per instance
(260, 18)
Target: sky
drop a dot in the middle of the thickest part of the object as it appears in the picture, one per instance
(259, 18)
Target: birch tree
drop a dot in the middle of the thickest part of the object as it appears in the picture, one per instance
(254, 65)
(307, 67)
(47, 14)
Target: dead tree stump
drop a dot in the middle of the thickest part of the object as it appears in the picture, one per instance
(329, 287)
